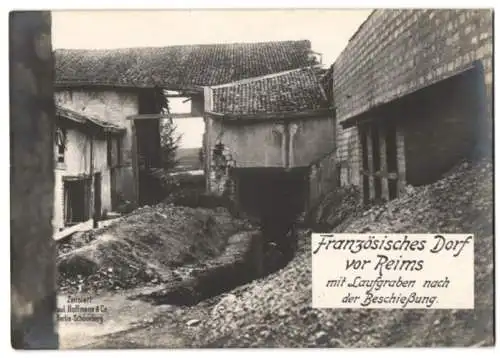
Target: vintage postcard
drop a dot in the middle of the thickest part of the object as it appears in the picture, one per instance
(195, 178)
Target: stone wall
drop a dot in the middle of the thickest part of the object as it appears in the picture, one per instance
(311, 139)
(221, 164)
(263, 144)
(33, 293)
(252, 144)
(323, 178)
(348, 155)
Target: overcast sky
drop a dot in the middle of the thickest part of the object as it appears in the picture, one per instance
(328, 30)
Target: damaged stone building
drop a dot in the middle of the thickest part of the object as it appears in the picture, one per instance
(128, 87)
(413, 96)
(91, 83)
(261, 136)
(86, 152)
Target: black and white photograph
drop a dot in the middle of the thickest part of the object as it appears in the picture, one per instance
(258, 178)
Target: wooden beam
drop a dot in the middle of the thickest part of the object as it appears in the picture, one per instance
(369, 151)
(379, 174)
(183, 115)
(176, 95)
(135, 163)
(84, 226)
(147, 116)
(207, 96)
(401, 157)
(384, 182)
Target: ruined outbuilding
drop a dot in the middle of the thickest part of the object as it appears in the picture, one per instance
(87, 152)
(413, 96)
(261, 136)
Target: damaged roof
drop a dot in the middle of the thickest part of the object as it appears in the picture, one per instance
(289, 92)
(178, 67)
(79, 118)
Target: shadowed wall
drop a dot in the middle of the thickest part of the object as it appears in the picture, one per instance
(33, 298)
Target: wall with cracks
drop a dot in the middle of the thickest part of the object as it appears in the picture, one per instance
(263, 149)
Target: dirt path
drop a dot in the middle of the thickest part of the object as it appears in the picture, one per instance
(122, 315)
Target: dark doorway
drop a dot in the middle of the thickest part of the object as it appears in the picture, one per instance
(271, 192)
(76, 201)
(441, 124)
(149, 158)
(392, 159)
(148, 142)
(113, 172)
(365, 169)
(97, 197)
(376, 160)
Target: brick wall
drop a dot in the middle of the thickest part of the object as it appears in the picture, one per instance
(32, 114)
(396, 52)
(348, 155)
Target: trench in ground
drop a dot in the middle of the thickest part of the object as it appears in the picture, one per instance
(274, 197)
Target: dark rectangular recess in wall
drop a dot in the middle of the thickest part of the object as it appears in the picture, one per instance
(393, 188)
(148, 143)
(271, 192)
(391, 157)
(391, 148)
(109, 151)
(150, 101)
(97, 196)
(376, 160)
(76, 201)
(364, 154)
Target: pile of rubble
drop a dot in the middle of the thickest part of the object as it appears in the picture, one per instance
(276, 310)
(460, 202)
(335, 208)
(240, 263)
(143, 247)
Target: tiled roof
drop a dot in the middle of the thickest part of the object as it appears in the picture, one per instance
(293, 91)
(88, 120)
(178, 67)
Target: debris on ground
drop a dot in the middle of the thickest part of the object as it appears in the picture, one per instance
(335, 208)
(240, 263)
(460, 202)
(246, 257)
(143, 247)
(275, 311)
